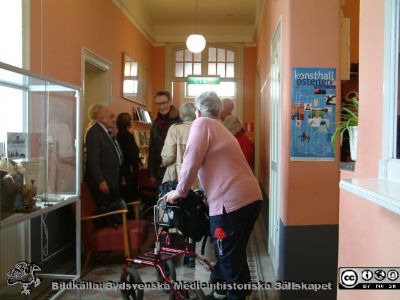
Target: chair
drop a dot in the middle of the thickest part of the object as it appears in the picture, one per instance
(148, 190)
(130, 235)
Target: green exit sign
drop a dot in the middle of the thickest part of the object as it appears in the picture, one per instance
(203, 80)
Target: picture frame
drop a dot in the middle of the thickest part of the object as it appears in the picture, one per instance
(134, 79)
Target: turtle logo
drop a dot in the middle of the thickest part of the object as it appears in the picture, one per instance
(24, 273)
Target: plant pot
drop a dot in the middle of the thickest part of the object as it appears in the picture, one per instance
(353, 139)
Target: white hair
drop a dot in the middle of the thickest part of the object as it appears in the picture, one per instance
(209, 104)
(186, 112)
(94, 110)
(233, 124)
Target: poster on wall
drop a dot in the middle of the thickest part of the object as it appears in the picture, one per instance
(313, 111)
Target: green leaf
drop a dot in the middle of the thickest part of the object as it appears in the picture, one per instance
(348, 118)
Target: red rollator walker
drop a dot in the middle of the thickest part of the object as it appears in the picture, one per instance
(161, 259)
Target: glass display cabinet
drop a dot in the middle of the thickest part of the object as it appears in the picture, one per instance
(39, 166)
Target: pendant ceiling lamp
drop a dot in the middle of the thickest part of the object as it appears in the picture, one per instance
(195, 42)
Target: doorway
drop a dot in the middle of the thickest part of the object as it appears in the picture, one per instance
(275, 142)
(96, 85)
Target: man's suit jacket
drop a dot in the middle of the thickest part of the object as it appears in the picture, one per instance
(102, 162)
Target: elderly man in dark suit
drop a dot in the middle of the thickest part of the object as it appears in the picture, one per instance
(103, 163)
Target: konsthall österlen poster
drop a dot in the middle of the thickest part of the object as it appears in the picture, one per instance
(313, 113)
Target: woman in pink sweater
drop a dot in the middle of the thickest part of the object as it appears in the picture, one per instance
(232, 191)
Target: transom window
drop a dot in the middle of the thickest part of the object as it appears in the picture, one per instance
(213, 61)
(187, 63)
(218, 61)
(221, 62)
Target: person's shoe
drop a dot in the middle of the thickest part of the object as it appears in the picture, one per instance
(189, 261)
(216, 295)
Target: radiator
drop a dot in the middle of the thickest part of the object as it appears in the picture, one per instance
(14, 247)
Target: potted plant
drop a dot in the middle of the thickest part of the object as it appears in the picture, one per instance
(349, 123)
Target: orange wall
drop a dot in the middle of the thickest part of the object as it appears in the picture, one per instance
(101, 27)
(315, 35)
(351, 10)
(249, 76)
(368, 233)
(158, 72)
(310, 38)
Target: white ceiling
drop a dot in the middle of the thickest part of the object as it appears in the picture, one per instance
(166, 21)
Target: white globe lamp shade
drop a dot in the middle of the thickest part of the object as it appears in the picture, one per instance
(195, 43)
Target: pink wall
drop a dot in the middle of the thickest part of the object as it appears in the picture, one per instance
(100, 26)
(310, 38)
(368, 234)
(314, 36)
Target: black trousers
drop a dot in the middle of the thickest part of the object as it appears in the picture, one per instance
(232, 266)
(106, 203)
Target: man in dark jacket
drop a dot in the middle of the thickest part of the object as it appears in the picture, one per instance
(103, 163)
(167, 115)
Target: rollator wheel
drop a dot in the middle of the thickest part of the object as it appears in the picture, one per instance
(170, 271)
(131, 276)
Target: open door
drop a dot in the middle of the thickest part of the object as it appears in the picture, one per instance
(275, 142)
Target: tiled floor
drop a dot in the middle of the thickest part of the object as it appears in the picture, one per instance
(107, 267)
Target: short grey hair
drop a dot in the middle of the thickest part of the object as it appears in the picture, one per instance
(186, 112)
(233, 124)
(209, 104)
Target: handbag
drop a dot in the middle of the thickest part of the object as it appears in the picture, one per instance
(190, 214)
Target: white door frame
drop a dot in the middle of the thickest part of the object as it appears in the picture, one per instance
(275, 146)
(88, 56)
(92, 58)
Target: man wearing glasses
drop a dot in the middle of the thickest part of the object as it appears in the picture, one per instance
(167, 115)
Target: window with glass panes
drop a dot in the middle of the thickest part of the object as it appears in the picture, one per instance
(214, 61)
(11, 52)
(187, 63)
(131, 79)
(221, 62)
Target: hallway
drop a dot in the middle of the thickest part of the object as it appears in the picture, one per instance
(291, 67)
(104, 268)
